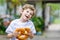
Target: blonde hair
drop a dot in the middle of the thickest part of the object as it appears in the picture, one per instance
(30, 7)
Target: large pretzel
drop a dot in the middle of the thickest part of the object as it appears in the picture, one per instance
(23, 33)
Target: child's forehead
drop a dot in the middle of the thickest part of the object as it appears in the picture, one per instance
(28, 9)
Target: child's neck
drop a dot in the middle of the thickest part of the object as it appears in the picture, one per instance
(22, 20)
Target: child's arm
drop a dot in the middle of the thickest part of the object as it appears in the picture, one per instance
(14, 34)
(33, 31)
(10, 35)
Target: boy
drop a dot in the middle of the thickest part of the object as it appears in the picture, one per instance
(26, 13)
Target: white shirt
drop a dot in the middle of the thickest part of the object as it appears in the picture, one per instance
(17, 24)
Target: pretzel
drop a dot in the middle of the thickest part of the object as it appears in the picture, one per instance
(23, 33)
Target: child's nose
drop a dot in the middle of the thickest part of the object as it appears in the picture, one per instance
(28, 14)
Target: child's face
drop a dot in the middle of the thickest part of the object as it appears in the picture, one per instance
(27, 14)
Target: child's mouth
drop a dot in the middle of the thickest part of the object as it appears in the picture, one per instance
(26, 16)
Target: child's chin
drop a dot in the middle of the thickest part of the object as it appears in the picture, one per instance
(26, 19)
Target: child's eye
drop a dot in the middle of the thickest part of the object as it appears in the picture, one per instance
(27, 11)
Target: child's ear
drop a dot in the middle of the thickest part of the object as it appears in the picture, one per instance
(21, 11)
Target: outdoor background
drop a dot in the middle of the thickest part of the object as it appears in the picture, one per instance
(46, 19)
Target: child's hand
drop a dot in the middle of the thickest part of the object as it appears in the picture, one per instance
(15, 34)
(30, 34)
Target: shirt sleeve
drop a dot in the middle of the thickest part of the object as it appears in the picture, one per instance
(33, 28)
(10, 28)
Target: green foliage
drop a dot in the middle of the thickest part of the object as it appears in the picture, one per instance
(38, 22)
(1, 2)
(55, 12)
(56, 21)
(16, 16)
(17, 2)
(54, 6)
(2, 28)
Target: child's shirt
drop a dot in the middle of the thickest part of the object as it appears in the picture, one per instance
(17, 24)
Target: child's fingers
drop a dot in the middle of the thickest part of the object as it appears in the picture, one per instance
(16, 33)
